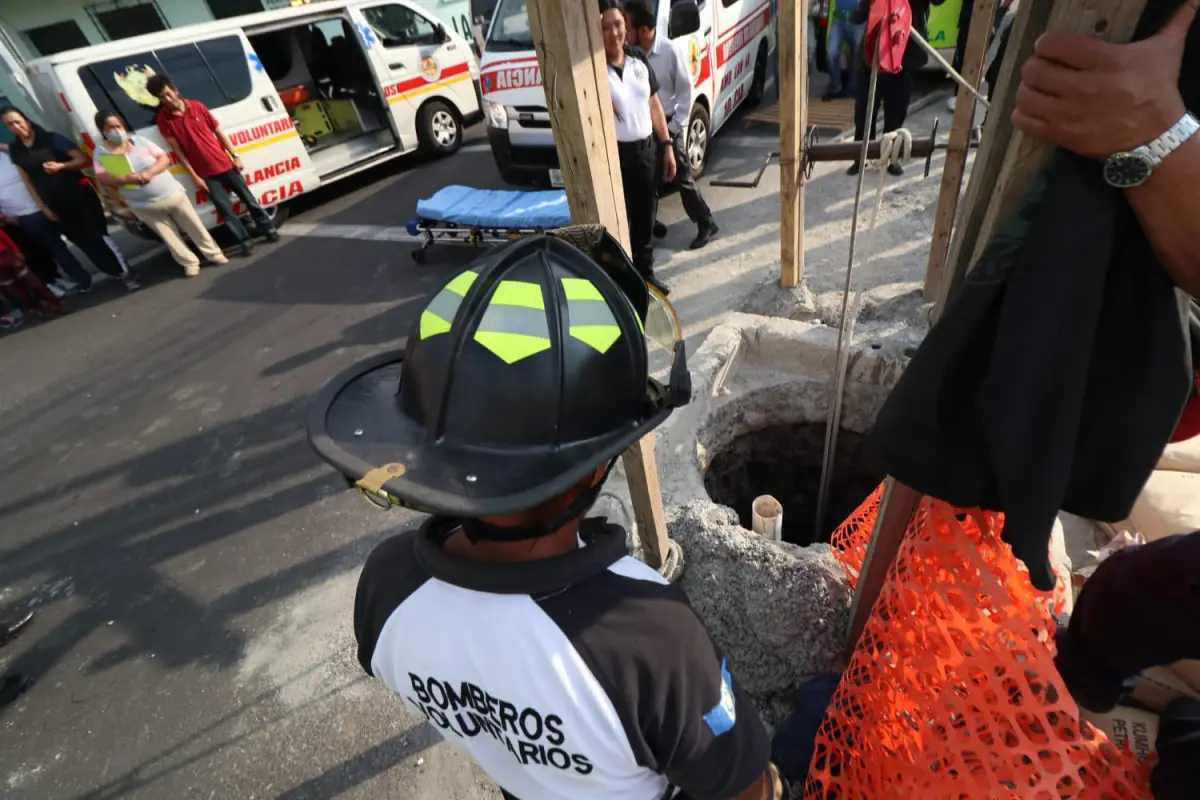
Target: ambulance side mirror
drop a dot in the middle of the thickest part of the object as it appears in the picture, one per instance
(684, 19)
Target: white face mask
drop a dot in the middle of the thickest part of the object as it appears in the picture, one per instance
(116, 136)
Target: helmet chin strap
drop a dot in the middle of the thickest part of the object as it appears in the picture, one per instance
(477, 530)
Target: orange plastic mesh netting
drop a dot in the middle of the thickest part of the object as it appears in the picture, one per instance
(952, 691)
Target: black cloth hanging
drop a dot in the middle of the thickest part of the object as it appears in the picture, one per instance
(1057, 375)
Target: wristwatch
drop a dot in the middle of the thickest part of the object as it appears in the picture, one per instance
(1133, 168)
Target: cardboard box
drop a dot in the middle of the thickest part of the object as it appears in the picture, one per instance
(1137, 728)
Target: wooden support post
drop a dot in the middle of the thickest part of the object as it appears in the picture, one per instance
(1028, 156)
(998, 189)
(896, 510)
(1030, 23)
(982, 16)
(570, 50)
(793, 127)
(1011, 162)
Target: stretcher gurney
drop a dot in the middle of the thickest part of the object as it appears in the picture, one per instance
(478, 217)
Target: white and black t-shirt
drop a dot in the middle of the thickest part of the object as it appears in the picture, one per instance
(631, 86)
(580, 676)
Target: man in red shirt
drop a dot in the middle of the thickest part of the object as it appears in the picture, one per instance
(193, 132)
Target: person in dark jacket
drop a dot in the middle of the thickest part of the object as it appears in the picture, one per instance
(894, 90)
(51, 165)
(1140, 609)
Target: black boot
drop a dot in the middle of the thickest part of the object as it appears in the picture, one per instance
(658, 283)
(708, 231)
(660, 230)
(895, 170)
(854, 168)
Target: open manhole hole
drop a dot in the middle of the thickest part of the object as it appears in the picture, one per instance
(784, 461)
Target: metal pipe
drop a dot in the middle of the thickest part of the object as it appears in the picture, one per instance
(852, 151)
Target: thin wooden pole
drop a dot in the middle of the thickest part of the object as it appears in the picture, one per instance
(982, 16)
(570, 51)
(793, 125)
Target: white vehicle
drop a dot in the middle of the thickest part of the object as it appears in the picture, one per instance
(308, 95)
(727, 44)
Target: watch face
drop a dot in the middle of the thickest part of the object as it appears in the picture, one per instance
(1125, 170)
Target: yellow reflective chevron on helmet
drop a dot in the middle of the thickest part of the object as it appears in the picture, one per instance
(439, 314)
(514, 323)
(589, 319)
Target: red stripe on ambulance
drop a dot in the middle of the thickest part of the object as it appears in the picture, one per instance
(515, 77)
(743, 35)
(394, 89)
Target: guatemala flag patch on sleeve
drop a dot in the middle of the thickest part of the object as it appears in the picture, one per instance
(723, 715)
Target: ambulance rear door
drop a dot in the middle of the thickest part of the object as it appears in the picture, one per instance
(741, 26)
(220, 70)
(419, 60)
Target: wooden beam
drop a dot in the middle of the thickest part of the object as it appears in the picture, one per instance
(982, 16)
(896, 510)
(570, 51)
(1030, 23)
(1013, 162)
(1114, 20)
(793, 125)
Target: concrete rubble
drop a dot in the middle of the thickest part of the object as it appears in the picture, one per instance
(777, 610)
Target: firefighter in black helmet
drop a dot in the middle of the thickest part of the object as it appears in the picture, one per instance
(522, 631)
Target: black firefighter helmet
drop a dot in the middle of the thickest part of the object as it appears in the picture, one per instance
(523, 374)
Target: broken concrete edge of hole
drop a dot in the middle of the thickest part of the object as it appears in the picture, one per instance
(777, 610)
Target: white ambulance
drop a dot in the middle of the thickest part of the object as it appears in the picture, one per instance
(728, 52)
(308, 95)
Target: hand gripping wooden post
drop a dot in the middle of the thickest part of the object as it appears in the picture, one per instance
(793, 125)
(570, 51)
(982, 15)
(998, 191)
(1008, 160)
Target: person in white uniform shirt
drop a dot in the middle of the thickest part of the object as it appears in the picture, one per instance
(643, 142)
(675, 95)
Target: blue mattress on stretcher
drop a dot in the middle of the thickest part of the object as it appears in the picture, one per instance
(496, 208)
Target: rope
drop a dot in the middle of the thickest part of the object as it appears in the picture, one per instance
(951, 71)
(672, 566)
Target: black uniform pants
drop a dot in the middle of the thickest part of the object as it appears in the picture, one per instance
(693, 204)
(893, 92)
(640, 178)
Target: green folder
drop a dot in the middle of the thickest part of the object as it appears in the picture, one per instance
(117, 165)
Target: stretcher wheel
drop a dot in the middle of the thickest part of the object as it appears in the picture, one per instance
(418, 256)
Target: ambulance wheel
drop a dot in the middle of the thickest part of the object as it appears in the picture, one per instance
(278, 213)
(439, 129)
(697, 140)
(758, 87)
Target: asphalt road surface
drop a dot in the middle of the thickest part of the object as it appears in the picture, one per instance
(191, 563)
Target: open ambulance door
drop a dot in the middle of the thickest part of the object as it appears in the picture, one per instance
(419, 59)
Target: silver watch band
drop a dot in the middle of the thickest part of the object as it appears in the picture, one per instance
(1164, 145)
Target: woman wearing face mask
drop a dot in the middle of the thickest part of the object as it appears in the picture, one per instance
(51, 166)
(137, 169)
